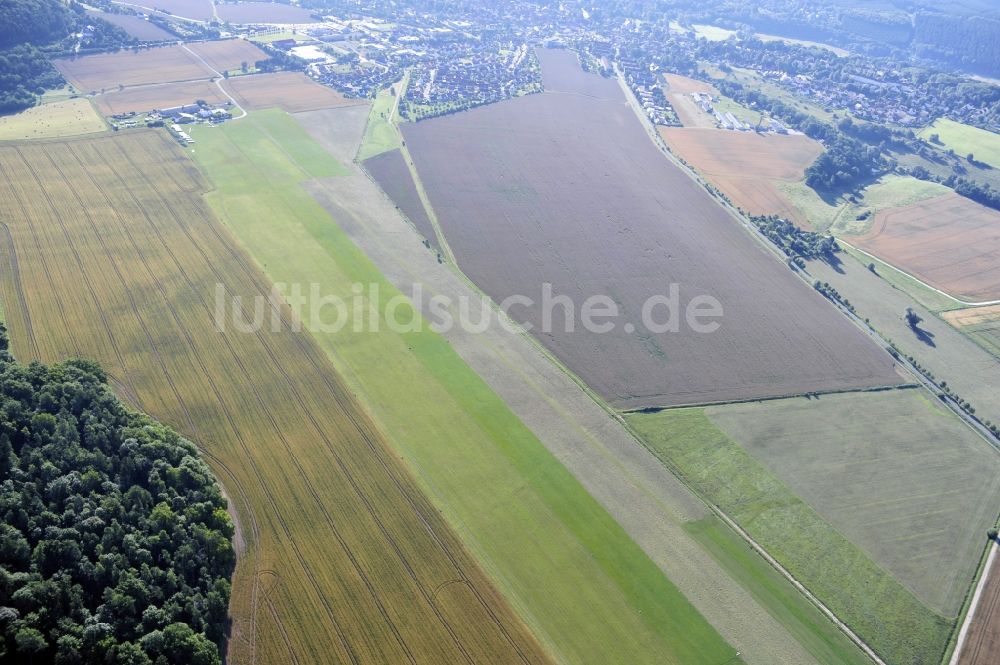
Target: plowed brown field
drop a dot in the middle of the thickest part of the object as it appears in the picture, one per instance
(291, 91)
(951, 243)
(568, 190)
(163, 64)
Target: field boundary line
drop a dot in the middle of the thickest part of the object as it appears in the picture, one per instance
(971, 613)
(917, 279)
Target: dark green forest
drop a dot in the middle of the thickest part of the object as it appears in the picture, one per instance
(115, 543)
(32, 32)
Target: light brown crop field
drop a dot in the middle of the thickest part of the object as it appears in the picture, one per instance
(263, 12)
(568, 190)
(111, 253)
(678, 93)
(684, 84)
(290, 91)
(982, 642)
(950, 242)
(228, 54)
(200, 10)
(152, 97)
(745, 165)
(136, 26)
(163, 64)
(980, 323)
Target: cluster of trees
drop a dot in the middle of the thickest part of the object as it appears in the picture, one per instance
(115, 543)
(793, 241)
(844, 163)
(35, 30)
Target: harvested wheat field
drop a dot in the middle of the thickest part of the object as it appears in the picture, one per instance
(745, 165)
(163, 64)
(391, 172)
(568, 190)
(263, 12)
(136, 26)
(950, 242)
(290, 91)
(229, 54)
(148, 98)
(684, 84)
(111, 253)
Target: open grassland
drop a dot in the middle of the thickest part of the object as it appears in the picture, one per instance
(199, 10)
(290, 91)
(392, 174)
(965, 140)
(843, 216)
(810, 627)
(585, 588)
(113, 255)
(136, 26)
(971, 372)
(754, 81)
(894, 471)
(745, 165)
(380, 133)
(513, 183)
(982, 642)
(949, 242)
(804, 42)
(52, 120)
(263, 12)
(888, 616)
(928, 297)
(229, 54)
(105, 71)
(150, 97)
(980, 323)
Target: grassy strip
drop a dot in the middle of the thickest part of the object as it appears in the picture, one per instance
(380, 134)
(589, 592)
(965, 139)
(820, 636)
(929, 298)
(863, 595)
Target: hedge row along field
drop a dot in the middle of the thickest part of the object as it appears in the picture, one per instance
(110, 253)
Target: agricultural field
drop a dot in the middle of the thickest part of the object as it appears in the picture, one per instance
(392, 174)
(965, 140)
(150, 97)
(136, 26)
(839, 489)
(380, 134)
(678, 93)
(983, 639)
(745, 165)
(228, 54)
(263, 12)
(511, 183)
(199, 10)
(949, 242)
(113, 255)
(971, 372)
(980, 323)
(290, 91)
(844, 216)
(583, 585)
(105, 71)
(52, 120)
(843, 53)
